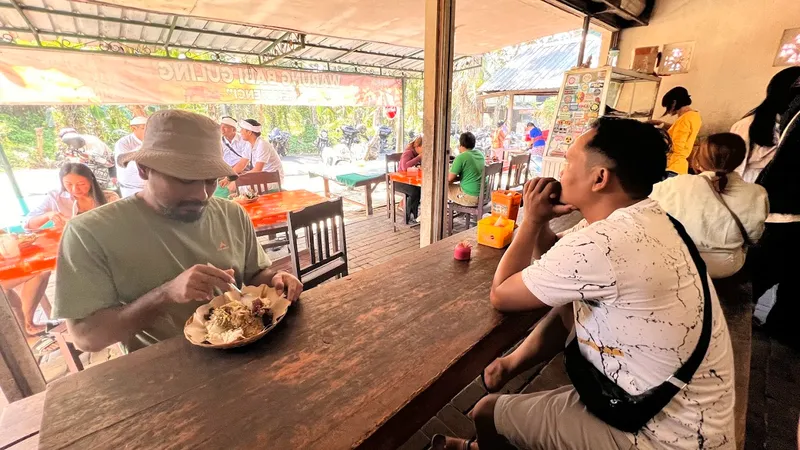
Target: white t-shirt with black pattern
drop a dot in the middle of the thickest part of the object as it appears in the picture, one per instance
(638, 315)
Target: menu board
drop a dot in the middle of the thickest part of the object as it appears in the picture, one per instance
(581, 97)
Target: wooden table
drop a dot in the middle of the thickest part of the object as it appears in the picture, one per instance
(368, 176)
(19, 425)
(362, 363)
(413, 178)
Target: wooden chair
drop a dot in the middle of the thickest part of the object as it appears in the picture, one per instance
(518, 169)
(71, 355)
(492, 178)
(259, 182)
(20, 376)
(392, 165)
(325, 238)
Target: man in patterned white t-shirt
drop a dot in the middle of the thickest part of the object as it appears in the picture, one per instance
(624, 282)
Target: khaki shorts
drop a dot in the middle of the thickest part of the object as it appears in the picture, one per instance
(456, 195)
(554, 420)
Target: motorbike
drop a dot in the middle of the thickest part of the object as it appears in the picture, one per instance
(280, 140)
(379, 144)
(322, 141)
(483, 140)
(102, 166)
(349, 149)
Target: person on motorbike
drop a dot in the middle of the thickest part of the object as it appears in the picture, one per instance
(265, 158)
(129, 181)
(89, 150)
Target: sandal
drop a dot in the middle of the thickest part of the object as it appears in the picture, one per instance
(439, 442)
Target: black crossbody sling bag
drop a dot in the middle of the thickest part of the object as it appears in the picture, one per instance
(612, 404)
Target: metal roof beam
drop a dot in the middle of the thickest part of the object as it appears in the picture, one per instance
(171, 30)
(28, 22)
(202, 49)
(290, 52)
(276, 42)
(201, 31)
(350, 52)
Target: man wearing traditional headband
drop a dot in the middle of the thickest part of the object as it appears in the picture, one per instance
(128, 177)
(235, 151)
(265, 158)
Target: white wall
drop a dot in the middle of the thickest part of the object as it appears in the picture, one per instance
(735, 45)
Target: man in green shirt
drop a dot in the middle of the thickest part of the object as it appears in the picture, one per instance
(133, 271)
(468, 169)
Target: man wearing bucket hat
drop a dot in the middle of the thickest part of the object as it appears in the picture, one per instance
(133, 270)
(128, 177)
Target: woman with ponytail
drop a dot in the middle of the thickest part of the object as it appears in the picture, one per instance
(722, 213)
(759, 127)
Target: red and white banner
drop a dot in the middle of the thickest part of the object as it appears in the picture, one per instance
(35, 77)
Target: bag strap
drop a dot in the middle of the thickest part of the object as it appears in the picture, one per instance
(684, 374)
(742, 229)
(224, 142)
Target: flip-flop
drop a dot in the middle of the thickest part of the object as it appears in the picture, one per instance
(441, 441)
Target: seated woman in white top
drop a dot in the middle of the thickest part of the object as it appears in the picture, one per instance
(721, 212)
(79, 192)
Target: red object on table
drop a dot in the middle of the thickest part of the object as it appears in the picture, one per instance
(269, 209)
(412, 178)
(463, 251)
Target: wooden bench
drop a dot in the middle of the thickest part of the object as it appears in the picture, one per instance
(20, 423)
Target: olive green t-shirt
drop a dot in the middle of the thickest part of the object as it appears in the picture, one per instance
(116, 253)
(469, 165)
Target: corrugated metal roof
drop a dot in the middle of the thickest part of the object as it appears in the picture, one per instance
(75, 25)
(540, 67)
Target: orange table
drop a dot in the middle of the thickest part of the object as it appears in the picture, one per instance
(272, 209)
(411, 178)
(38, 257)
(269, 210)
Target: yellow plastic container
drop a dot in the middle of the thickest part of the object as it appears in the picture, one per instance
(494, 234)
(506, 204)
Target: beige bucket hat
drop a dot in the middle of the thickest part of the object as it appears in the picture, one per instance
(183, 145)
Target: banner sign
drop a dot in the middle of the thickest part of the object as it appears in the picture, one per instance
(37, 77)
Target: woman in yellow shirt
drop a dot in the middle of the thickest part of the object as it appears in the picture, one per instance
(683, 132)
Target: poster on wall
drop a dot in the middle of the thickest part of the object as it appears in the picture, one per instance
(789, 48)
(36, 77)
(579, 105)
(645, 59)
(676, 58)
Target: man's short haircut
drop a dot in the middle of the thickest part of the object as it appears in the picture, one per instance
(637, 150)
(531, 124)
(467, 140)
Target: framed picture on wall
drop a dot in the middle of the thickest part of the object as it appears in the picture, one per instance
(676, 58)
(789, 49)
(645, 59)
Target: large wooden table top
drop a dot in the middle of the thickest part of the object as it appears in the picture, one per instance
(361, 362)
